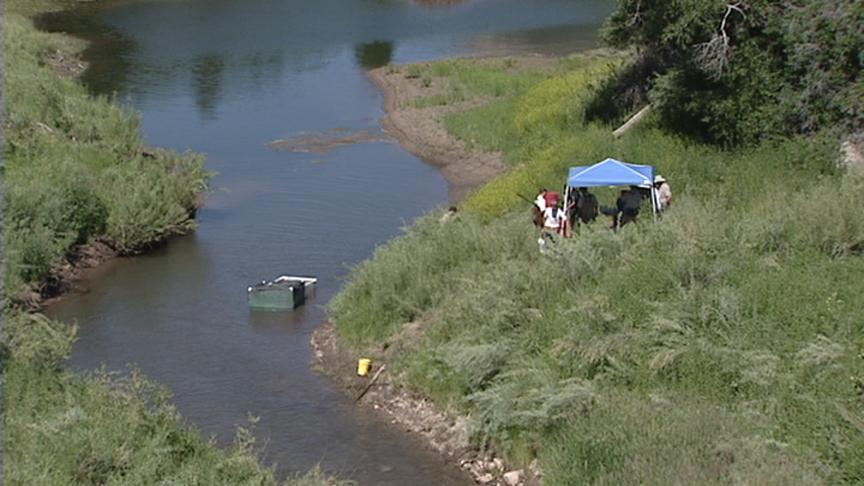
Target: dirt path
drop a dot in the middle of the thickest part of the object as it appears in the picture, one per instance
(421, 131)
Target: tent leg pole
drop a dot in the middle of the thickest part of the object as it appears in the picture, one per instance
(567, 205)
(654, 201)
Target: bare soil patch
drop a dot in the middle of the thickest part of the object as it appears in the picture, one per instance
(853, 155)
(66, 65)
(421, 131)
(69, 274)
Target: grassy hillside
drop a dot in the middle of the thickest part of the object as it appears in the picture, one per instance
(722, 344)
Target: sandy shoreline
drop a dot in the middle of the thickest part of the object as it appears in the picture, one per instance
(421, 132)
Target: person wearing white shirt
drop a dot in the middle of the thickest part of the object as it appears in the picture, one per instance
(540, 201)
(663, 193)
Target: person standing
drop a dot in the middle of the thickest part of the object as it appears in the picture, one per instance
(627, 207)
(555, 220)
(540, 200)
(551, 198)
(586, 206)
(538, 208)
(554, 223)
(663, 192)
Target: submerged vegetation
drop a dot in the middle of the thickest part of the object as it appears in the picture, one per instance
(720, 345)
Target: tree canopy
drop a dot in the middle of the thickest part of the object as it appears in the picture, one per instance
(737, 72)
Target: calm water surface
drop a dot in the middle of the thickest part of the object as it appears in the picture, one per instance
(225, 77)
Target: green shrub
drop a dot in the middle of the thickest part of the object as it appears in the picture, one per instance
(75, 169)
(32, 252)
(738, 74)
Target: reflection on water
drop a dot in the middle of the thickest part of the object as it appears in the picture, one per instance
(105, 42)
(226, 77)
(207, 76)
(164, 42)
(556, 40)
(371, 55)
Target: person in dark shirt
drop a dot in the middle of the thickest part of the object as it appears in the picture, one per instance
(628, 204)
(585, 207)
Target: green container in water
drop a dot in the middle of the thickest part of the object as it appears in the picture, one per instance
(284, 293)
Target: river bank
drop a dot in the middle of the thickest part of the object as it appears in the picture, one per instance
(81, 185)
(658, 354)
(208, 93)
(82, 189)
(420, 127)
(418, 99)
(444, 431)
(65, 58)
(421, 131)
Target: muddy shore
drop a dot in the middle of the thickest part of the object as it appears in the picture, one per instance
(446, 432)
(421, 132)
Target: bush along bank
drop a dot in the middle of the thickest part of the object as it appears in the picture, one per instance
(721, 344)
(64, 429)
(77, 173)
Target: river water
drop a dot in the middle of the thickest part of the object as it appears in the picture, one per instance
(225, 77)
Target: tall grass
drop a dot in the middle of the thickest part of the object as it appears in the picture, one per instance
(539, 106)
(721, 344)
(76, 168)
(63, 428)
(76, 172)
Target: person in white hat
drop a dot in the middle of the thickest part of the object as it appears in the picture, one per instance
(663, 191)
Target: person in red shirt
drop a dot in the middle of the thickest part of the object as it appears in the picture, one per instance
(551, 198)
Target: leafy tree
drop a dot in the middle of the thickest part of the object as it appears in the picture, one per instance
(737, 72)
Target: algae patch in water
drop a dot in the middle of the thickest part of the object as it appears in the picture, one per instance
(323, 142)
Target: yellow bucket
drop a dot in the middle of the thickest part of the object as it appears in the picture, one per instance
(363, 366)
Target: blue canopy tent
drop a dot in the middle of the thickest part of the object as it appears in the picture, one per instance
(611, 172)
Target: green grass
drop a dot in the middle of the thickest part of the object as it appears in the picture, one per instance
(720, 345)
(487, 128)
(538, 108)
(470, 79)
(551, 99)
(76, 172)
(76, 169)
(63, 428)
